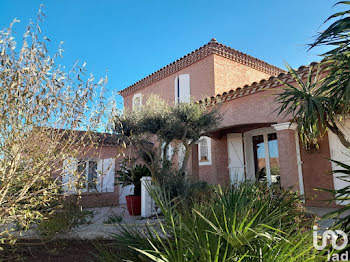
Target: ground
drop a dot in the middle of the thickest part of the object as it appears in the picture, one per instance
(63, 250)
(82, 243)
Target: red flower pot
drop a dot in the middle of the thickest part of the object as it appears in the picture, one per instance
(134, 205)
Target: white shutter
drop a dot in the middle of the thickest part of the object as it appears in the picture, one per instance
(108, 175)
(185, 89)
(137, 102)
(70, 166)
(235, 157)
(180, 154)
(342, 154)
(170, 152)
(99, 175)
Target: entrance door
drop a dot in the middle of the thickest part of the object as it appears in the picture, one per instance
(341, 154)
(235, 158)
(262, 155)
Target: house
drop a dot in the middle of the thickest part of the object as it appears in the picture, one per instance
(89, 177)
(253, 141)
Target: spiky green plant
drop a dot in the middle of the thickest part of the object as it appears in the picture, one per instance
(245, 223)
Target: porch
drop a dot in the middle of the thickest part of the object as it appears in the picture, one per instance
(266, 152)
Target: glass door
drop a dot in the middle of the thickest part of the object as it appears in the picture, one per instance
(266, 159)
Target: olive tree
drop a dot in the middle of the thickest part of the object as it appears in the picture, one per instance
(40, 104)
(157, 125)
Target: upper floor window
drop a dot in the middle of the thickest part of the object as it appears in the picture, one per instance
(182, 89)
(204, 151)
(137, 102)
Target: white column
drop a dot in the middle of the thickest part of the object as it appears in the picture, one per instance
(146, 199)
(293, 126)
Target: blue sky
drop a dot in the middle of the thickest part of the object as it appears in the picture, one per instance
(128, 40)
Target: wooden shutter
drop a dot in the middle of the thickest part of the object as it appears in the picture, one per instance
(108, 175)
(342, 154)
(185, 89)
(99, 175)
(235, 157)
(70, 166)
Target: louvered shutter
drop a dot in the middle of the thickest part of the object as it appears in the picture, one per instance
(108, 175)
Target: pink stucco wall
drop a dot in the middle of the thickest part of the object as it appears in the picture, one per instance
(229, 75)
(201, 81)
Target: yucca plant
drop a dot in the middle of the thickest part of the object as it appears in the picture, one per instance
(320, 103)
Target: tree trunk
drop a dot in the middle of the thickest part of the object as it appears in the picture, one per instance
(339, 134)
(186, 157)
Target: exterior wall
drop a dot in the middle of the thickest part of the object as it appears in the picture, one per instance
(288, 159)
(317, 174)
(252, 109)
(98, 199)
(201, 81)
(257, 110)
(231, 75)
(217, 172)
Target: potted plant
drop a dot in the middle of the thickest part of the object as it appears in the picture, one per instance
(132, 176)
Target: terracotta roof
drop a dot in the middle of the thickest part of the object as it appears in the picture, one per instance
(101, 139)
(255, 87)
(213, 47)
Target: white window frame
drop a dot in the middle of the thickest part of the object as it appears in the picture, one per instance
(138, 95)
(209, 161)
(249, 154)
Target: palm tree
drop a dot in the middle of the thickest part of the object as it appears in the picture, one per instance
(320, 103)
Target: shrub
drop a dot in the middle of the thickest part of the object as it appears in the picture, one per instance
(63, 220)
(243, 223)
(113, 219)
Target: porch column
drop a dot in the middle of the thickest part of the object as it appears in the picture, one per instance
(289, 156)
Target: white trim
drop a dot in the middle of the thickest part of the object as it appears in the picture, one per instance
(209, 161)
(249, 154)
(267, 159)
(300, 169)
(285, 126)
(293, 126)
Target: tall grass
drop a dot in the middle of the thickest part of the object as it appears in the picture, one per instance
(245, 223)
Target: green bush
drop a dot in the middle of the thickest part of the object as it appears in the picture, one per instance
(113, 219)
(63, 220)
(244, 223)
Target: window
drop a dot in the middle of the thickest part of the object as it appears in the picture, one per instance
(266, 158)
(137, 102)
(204, 151)
(87, 175)
(182, 89)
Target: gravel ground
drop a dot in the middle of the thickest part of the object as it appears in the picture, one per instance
(97, 227)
